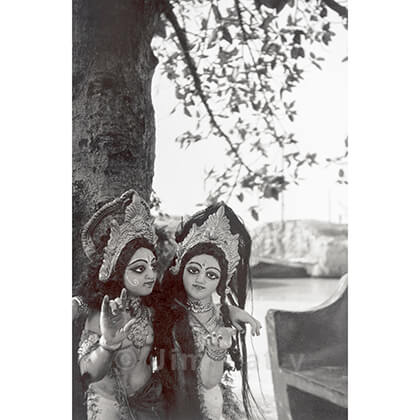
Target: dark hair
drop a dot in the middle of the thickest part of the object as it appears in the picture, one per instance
(93, 291)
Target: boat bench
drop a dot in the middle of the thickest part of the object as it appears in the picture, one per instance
(308, 356)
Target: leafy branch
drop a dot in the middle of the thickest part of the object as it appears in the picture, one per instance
(243, 66)
(182, 38)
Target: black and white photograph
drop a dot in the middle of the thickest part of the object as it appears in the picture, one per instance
(186, 186)
(209, 163)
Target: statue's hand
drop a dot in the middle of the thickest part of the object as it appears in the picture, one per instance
(221, 339)
(114, 320)
(238, 316)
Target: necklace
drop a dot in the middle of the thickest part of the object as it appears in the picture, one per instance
(139, 331)
(197, 307)
(135, 306)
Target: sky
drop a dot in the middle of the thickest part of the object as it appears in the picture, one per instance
(321, 126)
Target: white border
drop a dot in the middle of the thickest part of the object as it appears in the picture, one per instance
(36, 210)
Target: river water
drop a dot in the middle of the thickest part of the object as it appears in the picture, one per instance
(290, 294)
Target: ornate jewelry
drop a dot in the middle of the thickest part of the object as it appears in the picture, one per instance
(197, 307)
(215, 230)
(88, 342)
(83, 308)
(138, 223)
(201, 330)
(141, 328)
(135, 306)
(216, 354)
(109, 347)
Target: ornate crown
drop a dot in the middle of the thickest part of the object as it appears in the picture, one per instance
(138, 223)
(215, 230)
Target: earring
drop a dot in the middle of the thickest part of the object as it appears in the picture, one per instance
(227, 290)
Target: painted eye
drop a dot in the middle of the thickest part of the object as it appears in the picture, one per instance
(139, 269)
(212, 276)
(154, 267)
(192, 270)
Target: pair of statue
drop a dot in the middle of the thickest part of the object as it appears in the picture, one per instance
(164, 349)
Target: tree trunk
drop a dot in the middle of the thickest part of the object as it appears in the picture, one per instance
(113, 118)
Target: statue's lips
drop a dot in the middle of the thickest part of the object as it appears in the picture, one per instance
(198, 287)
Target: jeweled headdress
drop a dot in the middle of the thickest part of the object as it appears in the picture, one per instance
(215, 230)
(137, 224)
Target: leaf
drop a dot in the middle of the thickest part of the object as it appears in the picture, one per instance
(271, 192)
(316, 65)
(186, 112)
(204, 23)
(297, 36)
(226, 35)
(254, 214)
(267, 21)
(326, 38)
(216, 13)
(301, 52)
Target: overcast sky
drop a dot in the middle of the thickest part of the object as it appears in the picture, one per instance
(321, 126)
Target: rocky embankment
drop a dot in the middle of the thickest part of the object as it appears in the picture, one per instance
(321, 247)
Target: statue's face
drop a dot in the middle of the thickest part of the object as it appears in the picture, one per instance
(201, 276)
(140, 274)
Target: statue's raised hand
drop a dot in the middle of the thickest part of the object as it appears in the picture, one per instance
(114, 320)
(221, 339)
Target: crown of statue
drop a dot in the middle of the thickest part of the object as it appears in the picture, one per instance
(215, 230)
(137, 224)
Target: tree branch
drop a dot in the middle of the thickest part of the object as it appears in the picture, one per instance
(241, 22)
(338, 8)
(168, 11)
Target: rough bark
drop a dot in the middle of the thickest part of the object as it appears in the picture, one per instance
(113, 118)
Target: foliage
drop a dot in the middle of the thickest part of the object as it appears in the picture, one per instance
(235, 64)
(341, 162)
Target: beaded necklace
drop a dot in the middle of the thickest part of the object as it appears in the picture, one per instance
(197, 307)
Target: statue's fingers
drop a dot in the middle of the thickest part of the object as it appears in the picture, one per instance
(208, 340)
(113, 306)
(224, 342)
(105, 306)
(253, 326)
(128, 325)
(230, 332)
(118, 303)
(238, 326)
(214, 340)
(123, 297)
